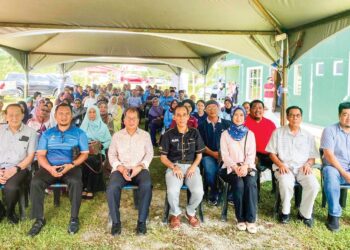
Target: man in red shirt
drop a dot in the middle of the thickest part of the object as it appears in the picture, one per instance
(262, 129)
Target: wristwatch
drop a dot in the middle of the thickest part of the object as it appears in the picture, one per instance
(18, 169)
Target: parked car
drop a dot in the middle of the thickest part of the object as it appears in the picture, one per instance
(47, 84)
(131, 78)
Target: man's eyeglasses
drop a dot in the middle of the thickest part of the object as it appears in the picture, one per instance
(296, 116)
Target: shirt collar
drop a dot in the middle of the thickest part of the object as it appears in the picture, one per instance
(219, 121)
(300, 132)
(126, 132)
(19, 130)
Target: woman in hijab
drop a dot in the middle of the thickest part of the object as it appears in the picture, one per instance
(238, 152)
(117, 111)
(96, 131)
(106, 116)
(40, 121)
(155, 119)
(227, 109)
(24, 107)
(113, 106)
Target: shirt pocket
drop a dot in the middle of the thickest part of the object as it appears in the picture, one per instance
(191, 145)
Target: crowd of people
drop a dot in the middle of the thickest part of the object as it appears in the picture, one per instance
(199, 142)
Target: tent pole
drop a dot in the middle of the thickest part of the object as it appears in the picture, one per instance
(284, 81)
(205, 87)
(26, 84)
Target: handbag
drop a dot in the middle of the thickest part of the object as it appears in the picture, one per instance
(95, 147)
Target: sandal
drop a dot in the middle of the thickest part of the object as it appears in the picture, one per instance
(241, 226)
(251, 228)
(89, 196)
(83, 194)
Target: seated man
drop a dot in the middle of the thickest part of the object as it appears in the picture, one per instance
(17, 149)
(211, 130)
(336, 158)
(262, 129)
(55, 157)
(181, 152)
(130, 155)
(293, 152)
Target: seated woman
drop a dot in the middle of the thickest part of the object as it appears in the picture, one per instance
(238, 151)
(116, 109)
(96, 130)
(200, 114)
(155, 119)
(192, 122)
(106, 116)
(227, 110)
(168, 115)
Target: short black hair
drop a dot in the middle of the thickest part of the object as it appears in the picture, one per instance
(246, 102)
(181, 106)
(202, 101)
(294, 107)
(342, 106)
(12, 105)
(255, 102)
(63, 105)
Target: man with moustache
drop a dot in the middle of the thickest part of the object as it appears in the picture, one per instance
(55, 157)
(262, 129)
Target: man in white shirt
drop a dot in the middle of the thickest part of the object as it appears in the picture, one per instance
(91, 99)
(130, 155)
(293, 152)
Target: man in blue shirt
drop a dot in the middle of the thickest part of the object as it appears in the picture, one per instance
(211, 130)
(55, 156)
(335, 143)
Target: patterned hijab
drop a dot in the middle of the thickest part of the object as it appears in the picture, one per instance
(238, 132)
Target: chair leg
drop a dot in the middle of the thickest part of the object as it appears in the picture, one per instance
(200, 212)
(136, 198)
(166, 209)
(258, 184)
(277, 202)
(343, 197)
(22, 205)
(298, 192)
(56, 196)
(224, 202)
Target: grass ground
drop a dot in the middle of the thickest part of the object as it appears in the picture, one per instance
(213, 234)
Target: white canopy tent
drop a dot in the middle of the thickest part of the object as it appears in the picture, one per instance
(185, 34)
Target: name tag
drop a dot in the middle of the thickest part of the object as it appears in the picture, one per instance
(174, 140)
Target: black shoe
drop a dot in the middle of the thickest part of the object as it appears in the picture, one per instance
(73, 226)
(37, 226)
(284, 218)
(12, 218)
(141, 228)
(333, 223)
(116, 229)
(307, 222)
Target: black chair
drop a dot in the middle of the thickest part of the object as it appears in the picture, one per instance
(273, 178)
(167, 206)
(225, 188)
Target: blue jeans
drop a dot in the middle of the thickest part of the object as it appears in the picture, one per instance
(332, 181)
(211, 170)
